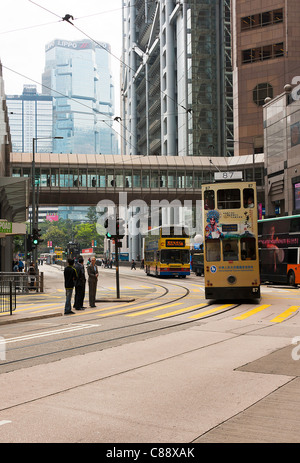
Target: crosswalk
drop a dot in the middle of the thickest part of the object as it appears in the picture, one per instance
(200, 309)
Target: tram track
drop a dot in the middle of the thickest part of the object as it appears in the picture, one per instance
(132, 331)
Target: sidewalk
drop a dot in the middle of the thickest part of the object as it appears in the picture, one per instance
(54, 282)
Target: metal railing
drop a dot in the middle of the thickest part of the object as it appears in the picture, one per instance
(7, 296)
(23, 282)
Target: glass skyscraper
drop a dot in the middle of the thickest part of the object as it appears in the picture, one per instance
(77, 75)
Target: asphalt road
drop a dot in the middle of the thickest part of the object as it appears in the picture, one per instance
(164, 368)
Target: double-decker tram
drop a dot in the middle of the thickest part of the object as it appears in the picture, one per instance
(278, 242)
(231, 260)
(167, 251)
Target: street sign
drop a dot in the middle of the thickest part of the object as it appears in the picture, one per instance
(5, 227)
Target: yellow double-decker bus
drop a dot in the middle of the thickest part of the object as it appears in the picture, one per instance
(231, 259)
(167, 252)
(58, 252)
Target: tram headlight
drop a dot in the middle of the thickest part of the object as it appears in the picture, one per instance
(231, 279)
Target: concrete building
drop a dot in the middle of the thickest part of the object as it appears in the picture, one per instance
(14, 192)
(30, 116)
(282, 153)
(176, 78)
(265, 57)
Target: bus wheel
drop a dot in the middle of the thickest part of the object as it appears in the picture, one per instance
(291, 278)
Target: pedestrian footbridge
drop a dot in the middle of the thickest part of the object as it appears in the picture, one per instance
(85, 179)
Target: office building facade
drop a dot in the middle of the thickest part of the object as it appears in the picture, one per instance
(282, 143)
(30, 116)
(176, 78)
(77, 75)
(266, 57)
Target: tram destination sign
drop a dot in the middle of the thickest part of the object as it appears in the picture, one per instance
(225, 176)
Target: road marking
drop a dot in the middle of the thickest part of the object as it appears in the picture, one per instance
(123, 310)
(33, 305)
(28, 337)
(281, 317)
(252, 312)
(4, 422)
(142, 312)
(208, 312)
(181, 310)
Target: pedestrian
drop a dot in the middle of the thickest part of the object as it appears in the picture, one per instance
(70, 276)
(31, 275)
(133, 265)
(79, 285)
(93, 278)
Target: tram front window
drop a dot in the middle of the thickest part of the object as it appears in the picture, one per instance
(230, 250)
(178, 256)
(213, 250)
(248, 246)
(229, 199)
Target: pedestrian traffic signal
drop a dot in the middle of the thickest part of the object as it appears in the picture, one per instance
(36, 237)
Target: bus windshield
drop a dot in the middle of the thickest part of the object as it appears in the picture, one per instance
(175, 256)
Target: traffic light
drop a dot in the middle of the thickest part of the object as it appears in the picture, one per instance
(120, 226)
(36, 237)
(108, 235)
(29, 243)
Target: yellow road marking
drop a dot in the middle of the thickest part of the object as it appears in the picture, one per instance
(142, 312)
(252, 312)
(32, 306)
(123, 310)
(207, 312)
(281, 317)
(181, 310)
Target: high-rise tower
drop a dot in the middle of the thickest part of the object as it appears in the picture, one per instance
(176, 78)
(266, 57)
(77, 75)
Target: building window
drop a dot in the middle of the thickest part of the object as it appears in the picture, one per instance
(262, 19)
(262, 91)
(263, 53)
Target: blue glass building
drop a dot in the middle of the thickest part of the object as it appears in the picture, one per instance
(77, 75)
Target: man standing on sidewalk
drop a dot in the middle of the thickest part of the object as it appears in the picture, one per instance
(79, 285)
(70, 276)
(93, 278)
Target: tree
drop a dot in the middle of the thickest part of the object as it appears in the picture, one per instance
(85, 233)
(57, 236)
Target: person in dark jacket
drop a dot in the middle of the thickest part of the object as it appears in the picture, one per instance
(70, 276)
(92, 271)
(79, 285)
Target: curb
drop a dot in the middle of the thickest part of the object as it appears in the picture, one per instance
(27, 319)
(114, 299)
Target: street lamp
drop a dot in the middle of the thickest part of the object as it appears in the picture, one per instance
(253, 157)
(33, 205)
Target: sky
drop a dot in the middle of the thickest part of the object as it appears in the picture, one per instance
(26, 26)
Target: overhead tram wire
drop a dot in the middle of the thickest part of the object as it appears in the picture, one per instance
(67, 19)
(70, 98)
(295, 69)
